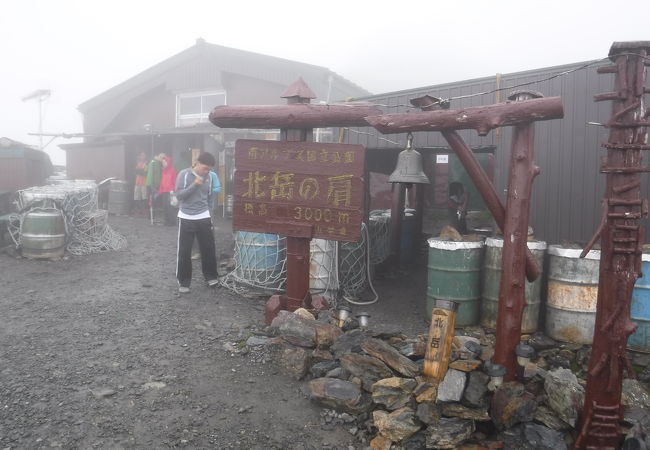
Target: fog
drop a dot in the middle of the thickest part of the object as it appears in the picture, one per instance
(78, 49)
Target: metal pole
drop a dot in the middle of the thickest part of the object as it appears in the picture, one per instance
(40, 123)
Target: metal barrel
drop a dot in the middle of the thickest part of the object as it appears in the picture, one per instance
(572, 294)
(322, 266)
(42, 234)
(118, 197)
(491, 282)
(260, 259)
(454, 273)
(639, 341)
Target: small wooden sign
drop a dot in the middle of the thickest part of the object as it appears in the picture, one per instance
(299, 189)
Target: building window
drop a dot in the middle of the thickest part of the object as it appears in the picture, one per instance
(193, 108)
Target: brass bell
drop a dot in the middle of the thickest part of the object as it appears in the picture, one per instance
(409, 166)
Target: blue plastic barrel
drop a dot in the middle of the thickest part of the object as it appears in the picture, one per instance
(640, 312)
(260, 259)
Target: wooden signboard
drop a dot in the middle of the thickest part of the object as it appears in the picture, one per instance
(299, 189)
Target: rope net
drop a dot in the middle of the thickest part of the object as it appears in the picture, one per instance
(336, 268)
(87, 229)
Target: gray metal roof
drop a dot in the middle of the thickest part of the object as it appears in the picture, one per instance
(278, 70)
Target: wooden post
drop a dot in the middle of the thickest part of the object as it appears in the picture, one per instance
(298, 251)
(622, 239)
(515, 238)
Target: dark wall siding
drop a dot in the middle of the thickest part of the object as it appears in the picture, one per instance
(96, 162)
(567, 193)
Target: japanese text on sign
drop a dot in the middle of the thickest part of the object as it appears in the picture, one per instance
(311, 184)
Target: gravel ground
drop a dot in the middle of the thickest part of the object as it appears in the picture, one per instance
(100, 351)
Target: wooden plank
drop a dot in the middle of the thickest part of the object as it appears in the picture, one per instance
(299, 189)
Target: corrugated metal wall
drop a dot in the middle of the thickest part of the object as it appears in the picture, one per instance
(567, 193)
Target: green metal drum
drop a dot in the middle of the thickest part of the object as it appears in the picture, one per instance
(491, 282)
(454, 273)
(42, 234)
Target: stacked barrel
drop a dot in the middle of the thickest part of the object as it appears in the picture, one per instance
(563, 299)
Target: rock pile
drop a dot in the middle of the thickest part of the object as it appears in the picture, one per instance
(372, 384)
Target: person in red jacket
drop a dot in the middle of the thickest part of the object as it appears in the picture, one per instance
(167, 185)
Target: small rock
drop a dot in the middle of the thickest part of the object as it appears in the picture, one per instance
(386, 353)
(255, 341)
(450, 233)
(336, 373)
(394, 392)
(398, 425)
(545, 415)
(326, 335)
(321, 369)
(380, 442)
(543, 438)
(449, 433)
(339, 394)
(349, 342)
(635, 394)
(103, 392)
(475, 393)
(511, 404)
(293, 361)
(414, 348)
(564, 394)
(465, 365)
(452, 386)
(539, 341)
(428, 413)
(429, 394)
(463, 412)
(367, 368)
(320, 355)
(465, 350)
(302, 312)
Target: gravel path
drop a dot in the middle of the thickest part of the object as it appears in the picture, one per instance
(101, 352)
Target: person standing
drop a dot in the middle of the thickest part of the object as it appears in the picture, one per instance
(167, 185)
(140, 195)
(154, 171)
(216, 188)
(194, 193)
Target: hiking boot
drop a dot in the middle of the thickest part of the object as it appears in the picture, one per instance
(183, 290)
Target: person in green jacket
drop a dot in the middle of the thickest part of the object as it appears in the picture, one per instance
(154, 173)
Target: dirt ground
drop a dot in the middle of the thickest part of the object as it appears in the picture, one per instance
(101, 352)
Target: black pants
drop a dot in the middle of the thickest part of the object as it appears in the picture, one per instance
(187, 230)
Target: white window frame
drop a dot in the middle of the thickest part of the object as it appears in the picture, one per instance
(203, 115)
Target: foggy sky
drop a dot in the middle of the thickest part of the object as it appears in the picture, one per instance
(78, 49)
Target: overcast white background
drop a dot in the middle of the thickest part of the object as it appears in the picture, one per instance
(78, 49)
